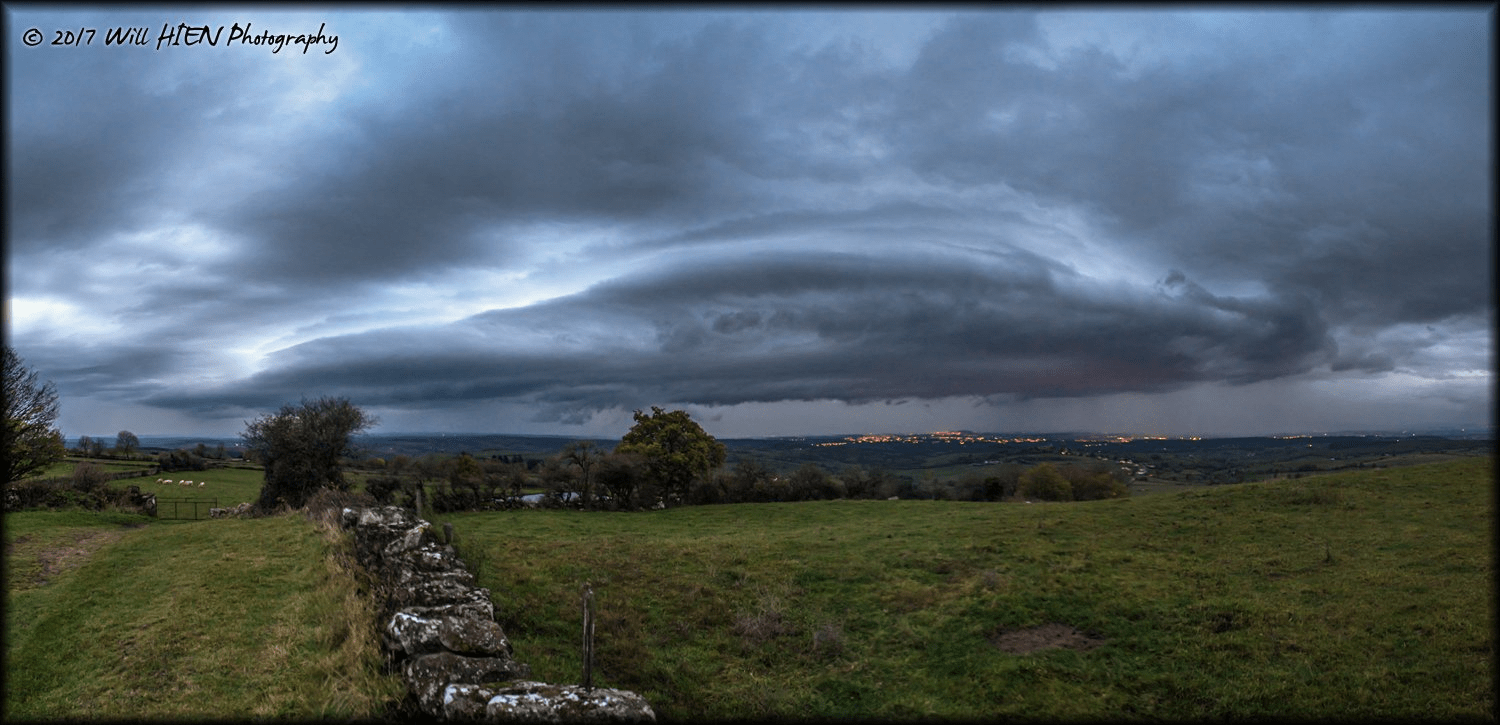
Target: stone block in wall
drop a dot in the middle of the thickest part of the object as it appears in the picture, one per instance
(543, 702)
(540, 702)
(432, 590)
(434, 557)
(466, 610)
(428, 675)
(474, 636)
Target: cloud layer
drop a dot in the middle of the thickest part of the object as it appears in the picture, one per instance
(581, 212)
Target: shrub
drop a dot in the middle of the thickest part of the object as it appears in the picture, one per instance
(1044, 483)
(89, 477)
(810, 483)
(383, 489)
(1094, 486)
(181, 460)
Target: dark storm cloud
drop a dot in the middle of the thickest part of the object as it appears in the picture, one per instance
(97, 137)
(811, 327)
(1344, 172)
(775, 217)
(512, 136)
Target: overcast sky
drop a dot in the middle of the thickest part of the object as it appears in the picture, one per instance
(786, 222)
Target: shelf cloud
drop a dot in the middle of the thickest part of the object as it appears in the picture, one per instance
(789, 222)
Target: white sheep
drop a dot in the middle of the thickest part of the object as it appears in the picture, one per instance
(200, 483)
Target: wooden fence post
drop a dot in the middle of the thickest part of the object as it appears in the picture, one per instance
(588, 637)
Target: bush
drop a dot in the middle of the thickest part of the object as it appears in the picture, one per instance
(1044, 483)
(705, 491)
(89, 477)
(1094, 486)
(811, 483)
(448, 498)
(89, 491)
(383, 489)
(181, 460)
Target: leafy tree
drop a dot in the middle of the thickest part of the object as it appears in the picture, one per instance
(1089, 485)
(30, 442)
(675, 449)
(464, 470)
(620, 475)
(1003, 484)
(856, 482)
(1043, 482)
(300, 447)
(749, 482)
(126, 442)
(810, 482)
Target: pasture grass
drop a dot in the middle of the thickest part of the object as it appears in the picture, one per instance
(1358, 595)
(110, 617)
(66, 466)
(231, 486)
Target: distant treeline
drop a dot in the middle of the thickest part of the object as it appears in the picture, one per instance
(613, 481)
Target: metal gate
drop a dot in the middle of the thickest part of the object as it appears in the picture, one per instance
(184, 508)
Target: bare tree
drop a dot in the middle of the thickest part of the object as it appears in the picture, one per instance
(585, 455)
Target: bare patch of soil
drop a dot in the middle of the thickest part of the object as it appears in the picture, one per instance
(1046, 636)
(54, 560)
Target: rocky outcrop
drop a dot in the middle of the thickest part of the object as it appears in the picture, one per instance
(440, 632)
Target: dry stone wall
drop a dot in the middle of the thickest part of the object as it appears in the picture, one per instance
(439, 631)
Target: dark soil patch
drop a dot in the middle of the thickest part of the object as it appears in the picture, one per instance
(62, 556)
(1046, 636)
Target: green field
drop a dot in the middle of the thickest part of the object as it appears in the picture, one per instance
(229, 486)
(1352, 596)
(65, 466)
(118, 616)
(1355, 596)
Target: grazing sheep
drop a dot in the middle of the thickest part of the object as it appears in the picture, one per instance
(200, 483)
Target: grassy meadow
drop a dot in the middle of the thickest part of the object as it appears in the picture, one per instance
(119, 616)
(229, 485)
(1355, 595)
